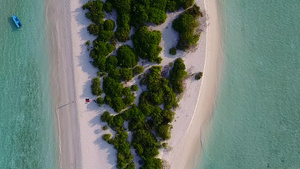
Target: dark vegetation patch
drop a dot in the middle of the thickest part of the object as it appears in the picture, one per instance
(186, 25)
(150, 120)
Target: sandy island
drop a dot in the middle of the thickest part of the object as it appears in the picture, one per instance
(79, 128)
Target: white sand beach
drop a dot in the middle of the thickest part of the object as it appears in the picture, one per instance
(79, 125)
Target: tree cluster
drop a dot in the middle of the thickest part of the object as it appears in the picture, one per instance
(146, 44)
(124, 157)
(116, 96)
(186, 25)
(151, 11)
(123, 8)
(150, 120)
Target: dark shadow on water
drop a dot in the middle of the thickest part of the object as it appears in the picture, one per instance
(12, 24)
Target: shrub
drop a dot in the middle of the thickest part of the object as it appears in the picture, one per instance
(108, 7)
(138, 70)
(152, 163)
(173, 51)
(173, 5)
(100, 101)
(109, 25)
(94, 29)
(123, 9)
(95, 13)
(118, 104)
(101, 74)
(99, 53)
(111, 63)
(126, 74)
(163, 131)
(165, 145)
(146, 44)
(134, 88)
(105, 116)
(126, 57)
(185, 25)
(111, 87)
(88, 43)
(106, 137)
(96, 90)
(105, 127)
(115, 74)
(177, 74)
(198, 75)
(168, 116)
(148, 11)
(105, 35)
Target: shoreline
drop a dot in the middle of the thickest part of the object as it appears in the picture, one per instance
(211, 80)
(63, 84)
(188, 147)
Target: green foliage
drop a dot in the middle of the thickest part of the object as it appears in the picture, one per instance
(186, 25)
(177, 74)
(100, 101)
(115, 74)
(168, 116)
(124, 157)
(173, 51)
(116, 121)
(106, 137)
(126, 74)
(126, 57)
(99, 53)
(173, 5)
(95, 13)
(105, 127)
(130, 166)
(136, 118)
(109, 25)
(148, 11)
(105, 35)
(94, 29)
(165, 145)
(129, 99)
(163, 131)
(88, 43)
(138, 70)
(96, 90)
(111, 63)
(134, 88)
(123, 8)
(145, 140)
(108, 7)
(101, 74)
(152, 163)
(112, 88)
(146, 44)
(105, 116)
(198, 75)
(118, 104)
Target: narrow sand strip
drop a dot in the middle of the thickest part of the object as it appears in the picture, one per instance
(200, 125)
(62, 83)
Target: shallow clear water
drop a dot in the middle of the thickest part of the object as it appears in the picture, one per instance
(256, 123)
(27, 137)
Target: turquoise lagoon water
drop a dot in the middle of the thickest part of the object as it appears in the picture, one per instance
(27, 137)
(256, 123)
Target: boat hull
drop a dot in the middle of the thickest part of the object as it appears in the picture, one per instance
(17, 21)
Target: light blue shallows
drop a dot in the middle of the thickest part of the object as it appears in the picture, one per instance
(256, 123)
(27, 138)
